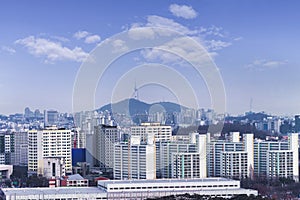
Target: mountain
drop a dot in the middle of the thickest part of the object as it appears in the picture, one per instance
(135, 107)
(251, 116)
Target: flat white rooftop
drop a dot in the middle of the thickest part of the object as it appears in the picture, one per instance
(52, 191)
(149, 181)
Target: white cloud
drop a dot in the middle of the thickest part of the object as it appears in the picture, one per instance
(176, 51)
(263, 64)
(162, 22)
(119, 46)
(238, 38)
(53, 51)
(8, 49)
(92, 39)
(88, 38)
(60, 38)
(212, 31)
(214, 45)
(141, 33)
(213, 38)
(186, 12)
(80, 34)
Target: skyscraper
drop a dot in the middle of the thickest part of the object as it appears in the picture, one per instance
(21, 145)
(105, 138)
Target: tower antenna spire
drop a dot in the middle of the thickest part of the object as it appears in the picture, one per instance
(136, 92)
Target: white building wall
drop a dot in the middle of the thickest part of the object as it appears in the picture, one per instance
(249, 148)
(48, 143)
(293, 143)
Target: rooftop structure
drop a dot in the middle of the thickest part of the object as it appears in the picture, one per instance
(91, 193)
(142, 189)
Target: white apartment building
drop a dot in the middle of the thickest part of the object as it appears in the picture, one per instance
(187, 165)
(51, 142)
(191, 164)
(135, 160)
(161, 132)
(248, 140)
(214, 151)
(164, 152)
(261, 149)
(253, 158)
(234, 164)
(280, 163)
(294, 146)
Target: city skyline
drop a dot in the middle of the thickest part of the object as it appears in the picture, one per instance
(253, 43)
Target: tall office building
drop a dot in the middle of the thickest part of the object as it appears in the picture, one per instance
(161, 132)
(105, 138)
(21, 148)
(135, 159)
(7, 148)
(51, 142)
(297, 123)
(50, 117)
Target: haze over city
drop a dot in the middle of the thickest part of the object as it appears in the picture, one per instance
(253, 43)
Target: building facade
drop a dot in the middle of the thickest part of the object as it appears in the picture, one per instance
(106, 137)
(161, 132)
(135, 159)
(51, 142)
(234, 164)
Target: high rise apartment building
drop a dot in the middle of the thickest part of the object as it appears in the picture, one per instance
(214, 152)
(250, 158)
(135, 159)
(161, 132)
(51, 142)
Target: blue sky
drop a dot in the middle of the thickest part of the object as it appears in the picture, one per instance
(254, 43)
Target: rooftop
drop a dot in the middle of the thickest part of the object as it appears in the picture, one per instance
(134, 181)
(75, 177)
(49, 191)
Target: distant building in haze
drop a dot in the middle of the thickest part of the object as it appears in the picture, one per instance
(297, 123)
(50, 117)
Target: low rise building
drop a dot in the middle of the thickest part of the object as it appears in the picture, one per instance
(133, 189)
(143, 189)
(5, 171)
(72, 193)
